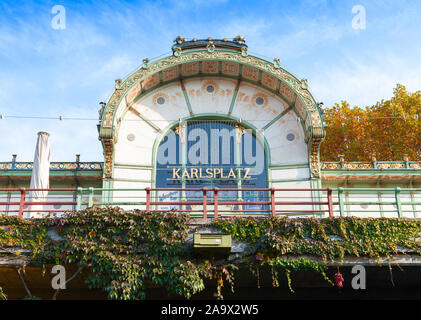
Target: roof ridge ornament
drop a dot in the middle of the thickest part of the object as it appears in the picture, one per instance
(244, 52)
(239, 39)
(304, 84)
(177, 52)
(145, 63)
(117, 84)
(179, 40)
(211, 46)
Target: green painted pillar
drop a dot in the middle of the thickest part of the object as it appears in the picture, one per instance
(79, 198)
(91, 197)
(107, 193)
(398, 201)
(317, 195)
(341, 201)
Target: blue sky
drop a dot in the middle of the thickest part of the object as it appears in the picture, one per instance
(48, 72)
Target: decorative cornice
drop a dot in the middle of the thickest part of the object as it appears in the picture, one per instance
(168, 62)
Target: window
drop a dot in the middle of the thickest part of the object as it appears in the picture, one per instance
(212, 153)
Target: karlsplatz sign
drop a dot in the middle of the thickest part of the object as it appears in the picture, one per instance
(210, 173)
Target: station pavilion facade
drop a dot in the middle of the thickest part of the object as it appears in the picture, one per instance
(213, 116)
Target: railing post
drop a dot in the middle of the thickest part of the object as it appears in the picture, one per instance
(79, 199)
(398, 201)
(215, 205)
(341, 201)
(272, 201)
(205, 209)
(148, 199)
(330, 202)
(22, 202)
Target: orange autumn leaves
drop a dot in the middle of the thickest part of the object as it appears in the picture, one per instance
(387, 130)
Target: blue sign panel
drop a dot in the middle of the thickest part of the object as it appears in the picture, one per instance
(209, 153)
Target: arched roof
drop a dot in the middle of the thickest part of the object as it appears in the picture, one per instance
(221, 58)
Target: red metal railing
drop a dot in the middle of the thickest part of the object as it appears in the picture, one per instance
(23, 200)
(267, 202)
(216, 201)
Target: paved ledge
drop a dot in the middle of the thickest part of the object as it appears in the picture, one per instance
(399, 259)
(412, 260)
(7, 261)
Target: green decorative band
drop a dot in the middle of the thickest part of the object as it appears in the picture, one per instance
(234, 97)
(153, 125)
(186, 97)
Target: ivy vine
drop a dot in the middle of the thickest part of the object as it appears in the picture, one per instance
(126, 252)
(276, 242)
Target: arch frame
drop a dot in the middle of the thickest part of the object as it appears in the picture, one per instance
(249, 68)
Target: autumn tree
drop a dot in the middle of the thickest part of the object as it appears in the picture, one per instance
(387, 130)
